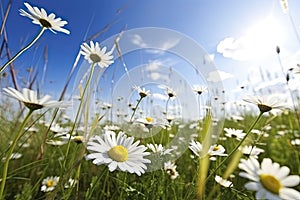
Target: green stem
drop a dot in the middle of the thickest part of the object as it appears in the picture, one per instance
(23, 50)
(78, 112)
(10, 151)
(236, 148)
(135, 108)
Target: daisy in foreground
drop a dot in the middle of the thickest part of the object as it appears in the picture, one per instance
(40, 17)
(49, 183)
(267, 103)
(95, 55)
(269, 180)
(30, 99)
(118, 152)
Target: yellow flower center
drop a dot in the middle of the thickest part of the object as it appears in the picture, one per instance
(149, 119)
(264, 108)
(270, 183)
(216, 148)
(45, 23)
(95, 58)
(50, 183)
(78, 139)
(118, 153)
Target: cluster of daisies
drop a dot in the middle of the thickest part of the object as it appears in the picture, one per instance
(121, 152)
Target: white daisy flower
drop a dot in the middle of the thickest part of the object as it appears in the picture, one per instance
(142, 91)
(159, 148)
(13, 156)
(223, 182)
(40, 16)
(49, 183)
(234, 133)
(170, 92)
(118, 152)
(149, 122)
(170, 168)
(199, 89)
(31, 101)
(267, 103)
(214, 150)
(252, 151)
(269, 180)
(95, 55)
(75, 138)
(295, 142)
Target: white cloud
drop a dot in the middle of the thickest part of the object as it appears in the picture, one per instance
(159, 45)
(258, 41)
(216, 76)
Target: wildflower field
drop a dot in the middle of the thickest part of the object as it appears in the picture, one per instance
(147, 132)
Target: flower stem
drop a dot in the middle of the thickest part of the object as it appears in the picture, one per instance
(139, 101)
(78, 112)
(10, 151)
(236, 148)
(23, 50)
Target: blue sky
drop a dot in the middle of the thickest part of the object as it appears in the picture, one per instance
(240, 35)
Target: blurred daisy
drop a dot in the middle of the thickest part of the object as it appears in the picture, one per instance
(170, 168)
(295, 142)
(223, 182)
(234, 133)
(199, 89)
(13, 156)
(252, 151)
(31, 101)
(118, 152)
(170, 92)
(267, 103)
(269, 180)
(149, 122)
(158, 148)
(40, 16)
(214, 150)
(142, 91)
(71, 183)
(95, 55)
(49, 183)
(75, 138)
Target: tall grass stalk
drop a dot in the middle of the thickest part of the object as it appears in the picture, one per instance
(10, 151)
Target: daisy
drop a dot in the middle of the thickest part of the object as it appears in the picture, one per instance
(31, 101)
(234, 133)
(13, 156)
(170, 92)
(118, 152)
(158, 148)
(214, 150)
(40, 16)
(199, 89)
(295, 142)
(266, 103)
(49, 183)
(149, 122)
(142, 91)
(95, 55)
(252, 151)
(223, 182)
(76, 138)
(269, 180)
(170, 168)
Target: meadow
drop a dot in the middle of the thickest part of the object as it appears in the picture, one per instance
(137, 147)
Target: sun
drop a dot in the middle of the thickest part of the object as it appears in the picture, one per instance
(263, 37)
